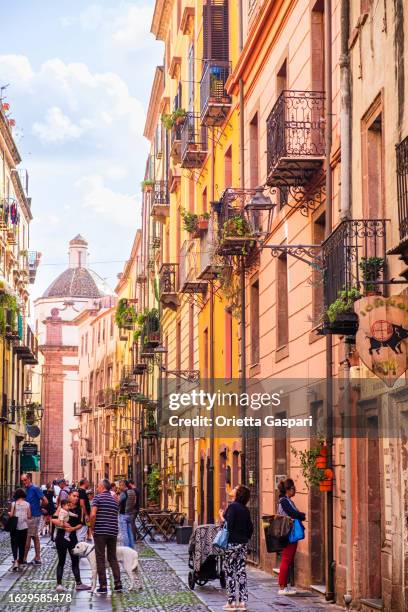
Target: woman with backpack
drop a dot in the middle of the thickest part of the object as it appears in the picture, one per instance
(287, 507)
(21, 510)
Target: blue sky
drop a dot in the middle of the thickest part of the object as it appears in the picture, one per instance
(80, 74)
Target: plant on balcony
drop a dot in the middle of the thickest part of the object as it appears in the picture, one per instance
(344, 304)
(193, 223)
(126, 315)
(177, 117)
(153, 482)
(151, 425)
(147, 185)
(309, 461)
(148, 322)
(372, 268)
(8, 304)
(236, 227)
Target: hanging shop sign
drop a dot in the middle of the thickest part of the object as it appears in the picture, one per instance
(382, 337)
(29, 449)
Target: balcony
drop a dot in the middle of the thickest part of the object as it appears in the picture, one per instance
(33, 263)
(85, 405)
(189, 270)
(168, 286)
(111, 398)
(193, 142)
(100, 398)
(77, 409)
(208, 269)
(127, 380)
(237, 234)
(160, 200)
(175, 143)
(215, 102)
(295, 138)
(155, 238)
(141, 274)
(354, 264)
(26, 348)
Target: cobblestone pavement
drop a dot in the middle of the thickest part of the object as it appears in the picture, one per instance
(163, 580)
(262, 587)
(161, 589)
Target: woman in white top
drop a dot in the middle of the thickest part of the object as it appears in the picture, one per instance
(21, 509)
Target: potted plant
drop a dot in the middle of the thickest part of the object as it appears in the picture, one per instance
(126, 315)
(8, 313)
(371, 268)
(179, 116)
(147, 185)
(312, 474)
(340, 316)
(190, 220)
(167, 121)
(202, 222)
(236, 227)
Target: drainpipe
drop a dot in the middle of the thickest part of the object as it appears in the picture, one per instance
(345, 211)
(210, 484)
(329, 343)
(242, 274)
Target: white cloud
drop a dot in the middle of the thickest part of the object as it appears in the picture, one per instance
(91, 18)
(57, 127)
(90, 105)
(119, 208)
(131, 29)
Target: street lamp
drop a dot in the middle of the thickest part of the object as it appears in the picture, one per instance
(28, 394)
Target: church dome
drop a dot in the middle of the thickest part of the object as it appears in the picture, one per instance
(77, 281)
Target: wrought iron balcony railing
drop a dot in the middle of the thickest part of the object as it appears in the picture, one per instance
(168, 285)
(33, 263)
(26, 348)
(111, 398)
(175, 142)
(209, 269)
(215, 102)
(354, 257)
(189, 269)
(402, 187)
(85, 405)
(237, 232)
(193, 142)
(295, 138)
(141, 270)
(100, 398)
(160, 203)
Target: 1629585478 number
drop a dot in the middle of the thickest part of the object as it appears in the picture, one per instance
(21, 598)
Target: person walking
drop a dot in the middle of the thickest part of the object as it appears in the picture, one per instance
(48, 511)
(85, 507)
(240, 529)
(63, 492)
(133, 502)
(36, 498)
(287, 490)
(104, 526)
(67, 520)
(126, 510)
(19, 508)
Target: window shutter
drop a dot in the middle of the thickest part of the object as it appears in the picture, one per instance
(216, 30)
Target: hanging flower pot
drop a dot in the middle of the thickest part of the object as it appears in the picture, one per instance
(321, 461)
(327, 483)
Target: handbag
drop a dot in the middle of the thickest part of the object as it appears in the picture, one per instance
(10, 523)
(276, 529)
(220, 541)
(297, 532)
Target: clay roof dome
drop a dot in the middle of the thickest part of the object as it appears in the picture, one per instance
(77, 281)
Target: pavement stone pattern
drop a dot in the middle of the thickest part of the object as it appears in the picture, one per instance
(163, 572)
(161, 589)
(262, 587)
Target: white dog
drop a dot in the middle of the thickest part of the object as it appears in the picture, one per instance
(125, 555)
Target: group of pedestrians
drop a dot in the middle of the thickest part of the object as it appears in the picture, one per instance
(71, 514)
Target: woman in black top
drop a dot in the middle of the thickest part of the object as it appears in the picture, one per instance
(64, 545)
(287, 507)
(240, 530)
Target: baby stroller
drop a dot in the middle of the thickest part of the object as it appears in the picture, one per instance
(205, 562)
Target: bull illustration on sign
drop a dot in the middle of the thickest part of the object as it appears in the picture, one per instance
(382, 337)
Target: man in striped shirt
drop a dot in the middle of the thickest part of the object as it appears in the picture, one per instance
(104, 526)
